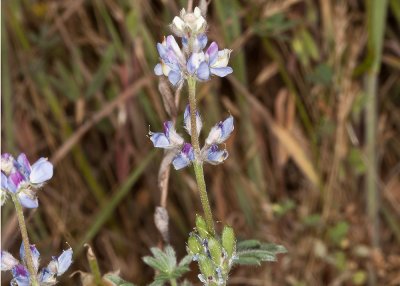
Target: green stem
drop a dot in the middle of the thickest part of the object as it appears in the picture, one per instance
(25, 240)
(173, 282)
(198, 165)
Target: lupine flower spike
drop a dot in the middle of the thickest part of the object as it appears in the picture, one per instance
(22, 179)
(191, 61)
(47, 276)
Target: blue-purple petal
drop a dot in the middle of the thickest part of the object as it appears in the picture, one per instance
(25, 166)
(162, 50)
(159, 140)
(21, 275)
(42, 171)
(64, 261)
(184, 158)
(203, 72)
(226, 128)
(191, 68)
(185, 42)
(221, 72)
(28, 199)
(188, 151)
(158, 69)
(4, 182)
(216, 156)
(174, 77)
(15, 180)
(212, 52)
(180, 161)
(202, 39)
(46, 276)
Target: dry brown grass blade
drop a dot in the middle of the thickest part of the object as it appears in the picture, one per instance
(285, 138)
(110, 107)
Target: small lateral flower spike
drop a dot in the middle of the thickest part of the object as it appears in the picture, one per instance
(171, 141)
(47, 276)
(20, 178)
(178, 64)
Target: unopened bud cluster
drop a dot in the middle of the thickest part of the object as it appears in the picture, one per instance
(214, 256)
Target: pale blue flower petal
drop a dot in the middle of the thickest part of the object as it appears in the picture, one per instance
(226, 128)
(202, 39)
(158, 69)
(162, 50)
(4, 182)
(28, 199)
(220, 132)
(180, 161)
(159, 140)
(216, 156)
(64, 261)
(174, 77)
(203, 72)
(184, 158)
(191, 65)
(221, 72)
(42, 171)
(47, 277)
(25, 166)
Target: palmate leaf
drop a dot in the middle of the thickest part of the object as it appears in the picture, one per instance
(165, 263)
(253, 252)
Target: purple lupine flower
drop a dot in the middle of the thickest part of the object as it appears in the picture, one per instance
(220, 132)
(61, 263)
(198, 44)
(36, 174)
(19, 185)
(169, 139)
(172, 60)
(187, 122)
(184, 157)
(46, 276)
(197, 66)
(218, 60)
(23, 177)
(215, 156)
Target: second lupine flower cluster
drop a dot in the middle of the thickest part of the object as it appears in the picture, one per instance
(171, 141)
(46, 276)
(191, 60)
(20, 178)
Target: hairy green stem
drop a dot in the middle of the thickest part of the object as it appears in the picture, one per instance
(198, 165)
(173, 282)
(25, 240)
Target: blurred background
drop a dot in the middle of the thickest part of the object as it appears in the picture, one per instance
(307, 167)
